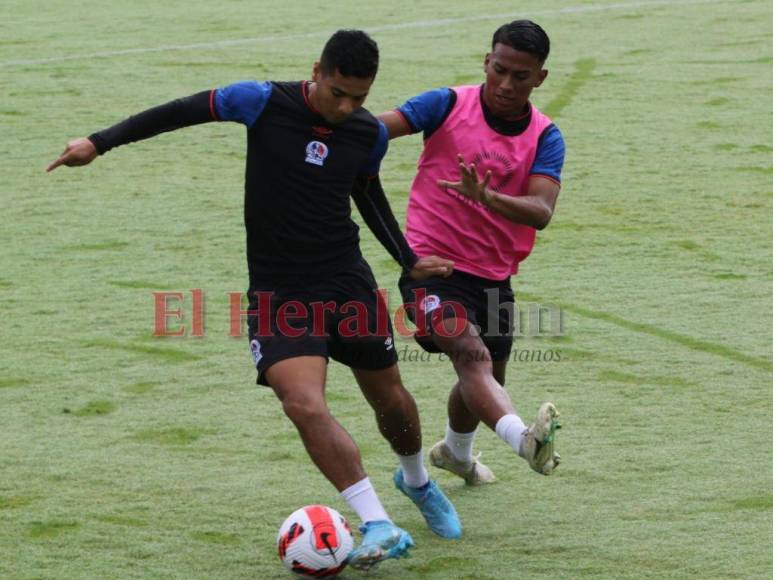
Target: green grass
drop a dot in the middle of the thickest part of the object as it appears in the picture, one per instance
(125, 456)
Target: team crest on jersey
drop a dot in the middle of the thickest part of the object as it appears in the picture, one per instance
(316, 153)
(255, 350)
(429, 303)
(501, 168)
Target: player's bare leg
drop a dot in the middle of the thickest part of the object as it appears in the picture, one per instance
(460, 418)
(454, 452)
(394, 407)
(299, 383)
(398, 421)
(479, 391)
(479, 396)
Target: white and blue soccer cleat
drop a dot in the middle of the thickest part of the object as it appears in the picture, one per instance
(381, 540)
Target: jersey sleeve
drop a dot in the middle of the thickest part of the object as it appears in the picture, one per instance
(242, 102)
(550, 155)
(373, 165)
(427, 111)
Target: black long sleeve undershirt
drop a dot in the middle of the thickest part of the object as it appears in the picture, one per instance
(184, 112)
(367, 193)
(370, 199)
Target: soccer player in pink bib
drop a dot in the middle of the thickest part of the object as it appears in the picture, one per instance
(487, 179)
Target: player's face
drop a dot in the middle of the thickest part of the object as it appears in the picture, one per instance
(335, 96)
(511, 75)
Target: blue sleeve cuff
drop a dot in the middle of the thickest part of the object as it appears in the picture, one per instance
(242, 102)
(426, 112)
(550, 154)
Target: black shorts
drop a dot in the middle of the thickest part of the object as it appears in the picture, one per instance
(341, 317)
(488, 304)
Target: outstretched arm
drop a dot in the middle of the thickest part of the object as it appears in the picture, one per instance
(370, 199)
(185, 112)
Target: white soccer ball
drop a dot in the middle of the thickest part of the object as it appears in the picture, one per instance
(314, 542)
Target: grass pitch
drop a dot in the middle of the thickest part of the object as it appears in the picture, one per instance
(127, 456)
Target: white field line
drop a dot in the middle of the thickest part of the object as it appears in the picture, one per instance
(371, 29)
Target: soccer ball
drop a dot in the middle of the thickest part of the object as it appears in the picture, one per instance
(314, 542)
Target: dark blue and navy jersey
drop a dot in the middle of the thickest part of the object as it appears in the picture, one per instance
(244, 101)
(427, 111)
(299, 176)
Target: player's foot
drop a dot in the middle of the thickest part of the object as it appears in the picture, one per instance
(472, 471)
(381, 540)
(540, 439)
(434, 506)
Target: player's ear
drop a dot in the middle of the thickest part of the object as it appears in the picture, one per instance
(486, 61)
(315, 72)
(543, 74)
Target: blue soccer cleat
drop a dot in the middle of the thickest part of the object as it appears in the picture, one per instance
(381, 540)
(436, 508)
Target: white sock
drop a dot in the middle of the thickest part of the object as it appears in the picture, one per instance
(414, 472)
(460, 444)
(511, 429)
(362, 498)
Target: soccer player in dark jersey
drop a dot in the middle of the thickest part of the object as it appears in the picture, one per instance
(310, 145)
(488, 178)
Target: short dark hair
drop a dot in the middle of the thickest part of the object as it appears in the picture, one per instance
(524, 35)
(352, 52)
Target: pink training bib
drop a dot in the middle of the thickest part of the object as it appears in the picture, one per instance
(444, 222)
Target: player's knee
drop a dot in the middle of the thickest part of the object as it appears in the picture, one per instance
(304, 410)
(398, 401)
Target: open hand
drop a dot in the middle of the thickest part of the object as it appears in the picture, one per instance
(470, 185)
(431, 266)
(78, 152)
